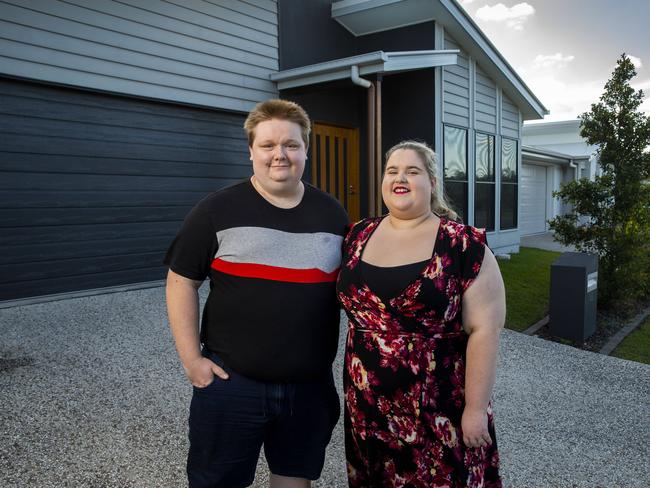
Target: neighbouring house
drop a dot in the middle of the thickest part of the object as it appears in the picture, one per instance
(553, 153)
(117, 116)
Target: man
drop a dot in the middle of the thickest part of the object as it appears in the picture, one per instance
(271, 247)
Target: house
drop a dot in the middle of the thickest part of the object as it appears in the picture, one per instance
(553, 153)
(118, 116)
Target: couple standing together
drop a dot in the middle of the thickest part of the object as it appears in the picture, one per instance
(425, 303)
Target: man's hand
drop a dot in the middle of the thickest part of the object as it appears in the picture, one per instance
(201, 372)
(475, 431)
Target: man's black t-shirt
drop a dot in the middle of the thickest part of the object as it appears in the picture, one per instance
(272, 312)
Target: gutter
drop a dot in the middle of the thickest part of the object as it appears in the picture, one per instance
(367, 64)
(574, 165)
(374, 137)
(356, 79)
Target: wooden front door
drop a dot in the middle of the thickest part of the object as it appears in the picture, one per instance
(335, 165)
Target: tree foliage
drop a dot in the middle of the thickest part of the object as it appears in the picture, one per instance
(611, 215)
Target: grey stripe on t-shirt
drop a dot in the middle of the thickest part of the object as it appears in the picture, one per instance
(258, 245)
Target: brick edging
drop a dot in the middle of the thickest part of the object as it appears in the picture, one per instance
(536, 326)
(617, 338)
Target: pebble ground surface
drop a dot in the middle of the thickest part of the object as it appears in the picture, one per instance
(92, 395)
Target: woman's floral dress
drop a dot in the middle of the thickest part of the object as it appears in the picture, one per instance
(404, 374)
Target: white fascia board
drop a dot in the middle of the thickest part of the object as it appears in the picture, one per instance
(368, 69)
(540, 159)
(310, 80)
(536, 154)
(333, 65)
(371, 63)
(326, 71)
(551, 127)
(410, 60)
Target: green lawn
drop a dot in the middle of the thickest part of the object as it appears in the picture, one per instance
(527, 277)
(636, 346)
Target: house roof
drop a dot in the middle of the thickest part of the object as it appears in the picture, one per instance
(370, 63)
(561, 136)
(362, 17)
(540, 127)
(543, 155)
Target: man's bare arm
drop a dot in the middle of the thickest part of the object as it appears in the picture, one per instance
(183, 312)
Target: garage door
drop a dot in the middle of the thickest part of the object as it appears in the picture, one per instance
(93, 186)
(533, 199)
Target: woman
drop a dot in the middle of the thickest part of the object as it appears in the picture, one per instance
(426, 303)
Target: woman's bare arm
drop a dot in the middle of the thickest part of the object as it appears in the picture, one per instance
(484, 312)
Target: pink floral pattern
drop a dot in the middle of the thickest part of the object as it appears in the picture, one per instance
(405, 371)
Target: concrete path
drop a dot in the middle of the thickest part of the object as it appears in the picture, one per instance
(545, 241)
(92, 395)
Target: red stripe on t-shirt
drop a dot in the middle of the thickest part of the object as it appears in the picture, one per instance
(274, 273)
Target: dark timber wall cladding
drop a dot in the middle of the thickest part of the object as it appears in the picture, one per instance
(407, 99)
(93, 187)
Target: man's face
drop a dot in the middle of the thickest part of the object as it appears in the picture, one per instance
(278, 154)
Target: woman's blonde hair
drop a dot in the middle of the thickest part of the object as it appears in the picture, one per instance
(439, 204)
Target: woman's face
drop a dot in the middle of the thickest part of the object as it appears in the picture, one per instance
(406, 187)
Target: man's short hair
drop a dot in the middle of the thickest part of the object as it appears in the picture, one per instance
(277, 109)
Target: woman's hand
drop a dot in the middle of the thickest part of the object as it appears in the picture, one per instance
(475, 428)
(201, 372)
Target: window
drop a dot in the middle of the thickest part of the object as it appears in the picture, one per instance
(508, 184)
(484, 188)
(455, 168)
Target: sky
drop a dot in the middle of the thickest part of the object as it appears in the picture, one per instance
(565, 50)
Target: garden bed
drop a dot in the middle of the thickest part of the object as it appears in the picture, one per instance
(527, 278)
(608, 323)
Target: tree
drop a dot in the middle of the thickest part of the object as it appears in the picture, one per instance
(611, 215)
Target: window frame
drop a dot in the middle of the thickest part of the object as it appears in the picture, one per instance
(514, 184)
(491, 226)
(462, 209)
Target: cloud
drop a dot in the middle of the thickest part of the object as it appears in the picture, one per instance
(514, 16)
(645, 106)
(564, 100)
(645, 86)
(568, 100)
(642, 85)
(557, 60)
(635, 61)
(466, 2)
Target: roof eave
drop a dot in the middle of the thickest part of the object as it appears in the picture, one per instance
(545, 127)
(546, 155)
(370, 63)
(392, 14)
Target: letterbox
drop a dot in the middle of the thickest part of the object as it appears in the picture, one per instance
(573, 297)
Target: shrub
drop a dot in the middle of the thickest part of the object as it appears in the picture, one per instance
(611, 215)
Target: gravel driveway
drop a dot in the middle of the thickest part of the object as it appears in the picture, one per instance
(92, 395)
